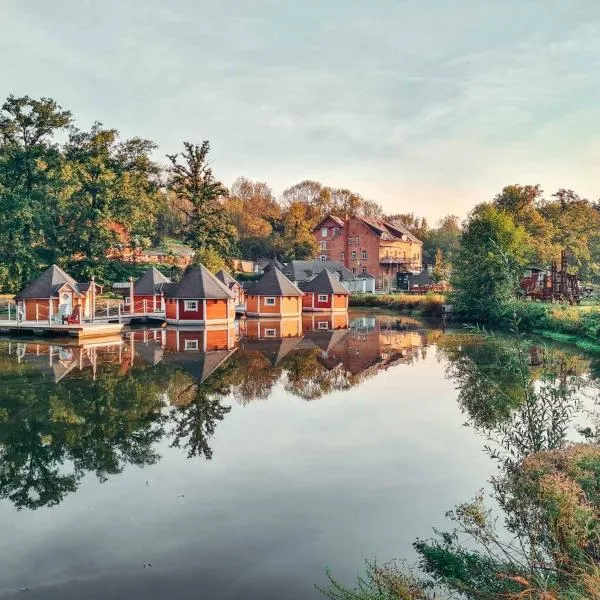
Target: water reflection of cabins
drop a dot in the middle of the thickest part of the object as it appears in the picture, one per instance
(360, 347)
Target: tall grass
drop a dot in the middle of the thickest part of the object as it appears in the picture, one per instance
(424, 304)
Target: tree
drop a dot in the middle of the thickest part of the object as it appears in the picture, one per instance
(440, 267)
(488, 265)
(210, 258)
(30, 186)
(191, 179)
(111, 193)
(298, 241)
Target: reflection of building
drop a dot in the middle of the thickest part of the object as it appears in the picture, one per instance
(264, 329)
(324, 321)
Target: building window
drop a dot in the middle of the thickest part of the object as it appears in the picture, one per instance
(336, 231)
(349, 241)
(324, 232)
(353, 270)
(323, 245)
(364, 255)
(270, 333)
(353, 254)
(269, 301)
(190, 305)
(356, 240)
(323, 258)
(322, 325)
(343, 255)
(323, 297)
(364, 269)
(190, 345)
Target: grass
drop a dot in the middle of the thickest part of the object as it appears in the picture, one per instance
(426, 304)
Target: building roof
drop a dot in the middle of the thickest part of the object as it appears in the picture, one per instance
(422, 278)
(48, 283)
(395, 229)
(302, 270)
(274, 350)
(150, 282)
(200, 365)
(335, 219)
(325, 283)
(273, 263)
(274, 283)
(225, 278)
(198, 282)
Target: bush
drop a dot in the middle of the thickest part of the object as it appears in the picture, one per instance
(425, 304)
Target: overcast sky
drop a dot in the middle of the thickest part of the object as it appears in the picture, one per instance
(423, 105)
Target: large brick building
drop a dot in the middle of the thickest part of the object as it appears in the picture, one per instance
(374, 246)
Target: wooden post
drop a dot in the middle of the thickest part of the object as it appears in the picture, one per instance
(93, 307)
(204, 311)
(177, 316)
(119, 311)
(154, 302)
(131, 307)
(50, 313)
(36, 311)
(204, 338)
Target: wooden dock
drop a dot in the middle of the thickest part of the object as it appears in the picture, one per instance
(84, 330)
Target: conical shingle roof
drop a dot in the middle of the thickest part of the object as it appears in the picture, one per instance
(47, 284)
(273, 263)
(325, 283)
(150, 282)
(198, 283)
(274, 283)
(224, 277)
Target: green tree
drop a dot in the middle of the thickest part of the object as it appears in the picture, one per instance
(30, 186)
(440, 266)
(488, 265)
(191, 179)
(298, 241)
(210, 258)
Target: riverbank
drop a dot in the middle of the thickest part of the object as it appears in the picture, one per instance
(427, 305)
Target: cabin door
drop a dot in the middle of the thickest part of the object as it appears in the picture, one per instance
(66, 304)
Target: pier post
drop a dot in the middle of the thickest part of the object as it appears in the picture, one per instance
(119, 311)
(131, 305)
(93, 311)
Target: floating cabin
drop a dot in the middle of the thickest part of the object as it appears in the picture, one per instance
(146, 295)
(324, 293)
(55, 297)
(274, 295)
(199, 299)
(234, 286)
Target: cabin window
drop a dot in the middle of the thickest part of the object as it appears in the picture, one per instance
(323, 245)
(190, 305)
(323, 258)
(270, 333)
(324, 232)
(323, 297)
(322, 325)
(353, 254)
(364, 255)
(190, 345)
(269, 301)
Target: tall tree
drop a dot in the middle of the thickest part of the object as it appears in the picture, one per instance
(298, 241)
(30, 186)
(488, 264)
(191, 179)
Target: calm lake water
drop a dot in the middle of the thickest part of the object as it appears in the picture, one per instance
(241, 463)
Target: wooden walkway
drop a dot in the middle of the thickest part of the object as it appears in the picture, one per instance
(79, 330)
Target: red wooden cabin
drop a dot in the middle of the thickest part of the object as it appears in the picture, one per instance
(199, 299)
(55, 297)
(325, 293)
(274, 295)
(146, 295)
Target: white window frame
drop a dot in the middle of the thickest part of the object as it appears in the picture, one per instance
(364, 255)
(323, 298)
(353, 255)
(323, 231)
(270, 301)
(270, 332)
(323, 245)
(356, 241)
(127, 300)
(323, 258)
(336, 231)
(190, 345)
(187, 306)
(322, 325)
